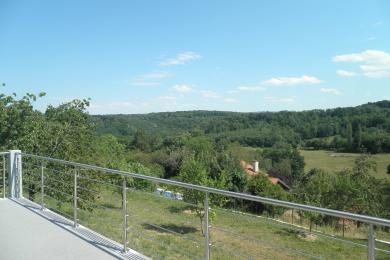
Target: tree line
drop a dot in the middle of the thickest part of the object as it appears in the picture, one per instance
(350, 129)
(198, 157)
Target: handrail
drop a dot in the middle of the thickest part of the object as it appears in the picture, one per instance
(275, 202)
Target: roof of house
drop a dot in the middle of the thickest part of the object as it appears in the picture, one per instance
(248, 168)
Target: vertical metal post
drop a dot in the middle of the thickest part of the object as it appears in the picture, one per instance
(343, 227)
(292, 216)
(371, 242)
(206, 227)
(75, 199)
(124, 208)
(4, 177)
(42, 187)
(15, 174)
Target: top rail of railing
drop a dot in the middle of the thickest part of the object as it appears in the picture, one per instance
(275, 202)
(4, 153)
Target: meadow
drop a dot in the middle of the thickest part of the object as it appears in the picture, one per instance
(169, 229)
(332, 161)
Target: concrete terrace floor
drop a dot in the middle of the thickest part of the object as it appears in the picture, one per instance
(27, 233)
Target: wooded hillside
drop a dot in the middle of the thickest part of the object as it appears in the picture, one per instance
(365, 127)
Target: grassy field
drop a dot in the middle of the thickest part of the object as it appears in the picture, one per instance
(332, 161)
(167, 229)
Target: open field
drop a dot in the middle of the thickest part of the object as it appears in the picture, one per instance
(331, 161)
(169, 229)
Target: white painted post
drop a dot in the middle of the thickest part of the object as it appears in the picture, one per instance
(15, 174)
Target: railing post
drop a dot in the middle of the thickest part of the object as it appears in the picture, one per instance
(206, 227)
(75, 199)
(292, 216)
(4, 177)
(15, 174)
(42, 187)
(371, 242)
(124, 208)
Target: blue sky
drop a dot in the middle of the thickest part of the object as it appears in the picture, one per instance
(149, 56)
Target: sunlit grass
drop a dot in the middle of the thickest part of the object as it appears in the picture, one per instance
(331, 161)
(168, 229)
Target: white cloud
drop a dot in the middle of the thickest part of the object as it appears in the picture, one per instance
(330, 91)
(230, 100)
(377, 23)
(283, 100)
(345, 73)
(251, 88)
(209, 94)
(376, 63)
(167, 98)
(181, 59)
(368, 55)
(291, 81)
(182, 88)
(143, 83)
(111, 107)
(376, 71)
(150, 79)
(157, 75)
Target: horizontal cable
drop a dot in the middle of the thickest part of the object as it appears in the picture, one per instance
(51, 197)
(33, 190)
(28, 182)
(98, 181)
(51, 170)
(31, 164)
(275, 202)
(96, 205)
(117, 228)
(187, 237)
(150, 212)
(173, 232)
(56, 190)
(159, 196)
(57, 181)
(279, 223)
(60, 212)
(85, 189)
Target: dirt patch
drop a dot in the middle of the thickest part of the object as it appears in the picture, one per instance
(307, 237)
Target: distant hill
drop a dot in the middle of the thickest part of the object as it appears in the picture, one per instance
(347, 128)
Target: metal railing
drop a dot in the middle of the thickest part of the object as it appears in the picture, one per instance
(3, 185)
(74, 179)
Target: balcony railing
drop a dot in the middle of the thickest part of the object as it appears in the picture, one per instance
(134, 210)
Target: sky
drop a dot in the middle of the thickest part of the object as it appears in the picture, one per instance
(151, 56)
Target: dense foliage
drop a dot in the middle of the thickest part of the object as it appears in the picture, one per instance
(205, 148)
(345, 129)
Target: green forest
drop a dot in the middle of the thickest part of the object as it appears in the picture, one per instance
(352, 129)
(205, 148)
